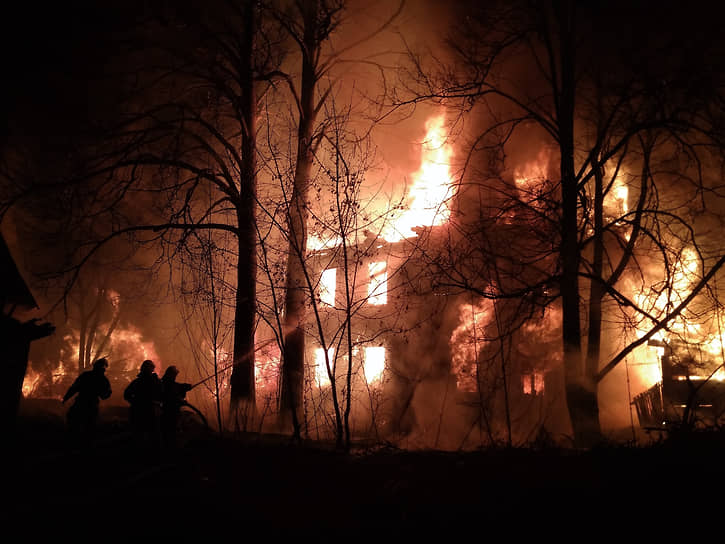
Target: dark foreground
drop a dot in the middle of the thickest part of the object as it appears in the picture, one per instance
(265, 487)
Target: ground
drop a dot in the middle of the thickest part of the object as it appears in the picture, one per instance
(265, 485)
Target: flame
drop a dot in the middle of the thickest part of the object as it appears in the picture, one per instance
(266, 366)
(30, 382)
(702, 336)
(529, 177)
(374, 363)
(322, 377)
(266, 369)
(328, 285)
(620, 195)
(467, 339)
(130, 341)
(427, 201)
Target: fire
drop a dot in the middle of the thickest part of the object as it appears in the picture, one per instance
(620, 195)
(426, 202)
(322, 377)
(529, 177)
(328, 284)
(467, 339)
(30, 383)
(704, 335)
(374, 364)
(266, 368)
(432, 187)
(130, 342)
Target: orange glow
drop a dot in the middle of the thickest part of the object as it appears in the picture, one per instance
(533, 383)
(426, 201)
(620, 195)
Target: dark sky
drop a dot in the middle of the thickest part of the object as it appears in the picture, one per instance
(49, 54)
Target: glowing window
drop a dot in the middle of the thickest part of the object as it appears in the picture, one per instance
(378, 286)
(321, 375)
(374, 363)
(533, 383)
(328, 283)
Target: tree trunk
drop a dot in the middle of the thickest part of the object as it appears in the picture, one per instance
(295, 295)
(243, 394)
(596, 289)
(581, 396)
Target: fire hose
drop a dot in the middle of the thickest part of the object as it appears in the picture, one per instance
(194, 408)
(256, 349)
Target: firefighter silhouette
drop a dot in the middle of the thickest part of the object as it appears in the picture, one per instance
(173, 398)
(89, 388)
(144, 397)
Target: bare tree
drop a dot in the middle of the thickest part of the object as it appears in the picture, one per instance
(310, 24)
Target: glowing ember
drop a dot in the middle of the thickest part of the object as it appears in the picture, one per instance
(378, 285)
(374, 364)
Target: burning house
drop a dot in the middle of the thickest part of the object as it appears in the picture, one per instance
(424, 358)
(428, 361)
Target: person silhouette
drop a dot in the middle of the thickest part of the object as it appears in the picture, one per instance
(173, 398)
(89, 388)
(143, 394)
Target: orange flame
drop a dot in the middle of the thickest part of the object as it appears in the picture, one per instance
(426, 202)
(467, 339)
(703, 333)
(428, 196)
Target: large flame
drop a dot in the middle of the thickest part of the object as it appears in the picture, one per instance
(427, 200)
(703, 334)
